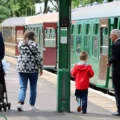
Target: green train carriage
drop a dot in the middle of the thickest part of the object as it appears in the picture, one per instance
(90, 31)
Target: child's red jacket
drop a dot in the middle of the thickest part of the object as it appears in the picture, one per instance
(82, 73)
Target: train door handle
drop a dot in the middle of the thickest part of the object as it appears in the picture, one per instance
(99, 57)
(44, 49)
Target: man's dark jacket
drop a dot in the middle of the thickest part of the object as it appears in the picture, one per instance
(2, 49)
(115, 61)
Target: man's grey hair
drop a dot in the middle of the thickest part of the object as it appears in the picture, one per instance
(116, 32)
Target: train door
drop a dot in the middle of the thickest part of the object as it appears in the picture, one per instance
(104, 43)
(19, 32)
(49, 45)
(40, 39)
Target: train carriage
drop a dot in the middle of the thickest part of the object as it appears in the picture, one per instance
(90, 30)
(12, 30)
(45, 27)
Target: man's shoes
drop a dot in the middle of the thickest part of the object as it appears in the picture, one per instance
(84, 112)
(116, 113)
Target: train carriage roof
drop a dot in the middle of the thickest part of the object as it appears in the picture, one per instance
(14, 21)
(105, 10)
(50, 17)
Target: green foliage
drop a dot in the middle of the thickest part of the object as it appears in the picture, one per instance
(76, 3)
(4, 13)
(27, 7)
(19, 7)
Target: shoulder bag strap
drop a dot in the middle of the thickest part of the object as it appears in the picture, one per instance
(30, 50)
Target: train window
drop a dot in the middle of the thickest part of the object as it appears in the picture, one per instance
(95, 29)
(9, 34)
(86, 43)
(104, 46)
(46, 30)
(78, 44)
(50, 41)
(50, 30)
(72, 29)
(72, 44)
(104, 41)
(19, 35)
(105, 31)
(95, 46)
(87, 28)
(37, 29)
(111, 27)
(79, 29)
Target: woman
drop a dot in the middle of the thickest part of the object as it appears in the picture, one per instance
(28, 65)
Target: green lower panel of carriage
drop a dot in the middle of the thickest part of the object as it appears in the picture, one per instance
(93, 36)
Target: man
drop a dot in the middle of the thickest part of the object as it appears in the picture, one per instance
(2, 51)
(115, 61)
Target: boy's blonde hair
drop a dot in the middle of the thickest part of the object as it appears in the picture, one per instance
(83, 55)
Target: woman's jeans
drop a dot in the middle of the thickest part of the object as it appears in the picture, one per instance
(23, 81)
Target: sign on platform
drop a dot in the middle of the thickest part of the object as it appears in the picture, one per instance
(63, 40)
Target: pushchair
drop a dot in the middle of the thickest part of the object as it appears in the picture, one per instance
(3, 93)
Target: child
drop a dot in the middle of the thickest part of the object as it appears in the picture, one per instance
(82, 72)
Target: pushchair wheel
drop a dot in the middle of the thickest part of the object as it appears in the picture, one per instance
(4, 107)
(9, 106)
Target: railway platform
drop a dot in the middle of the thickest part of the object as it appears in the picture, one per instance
(100, 105)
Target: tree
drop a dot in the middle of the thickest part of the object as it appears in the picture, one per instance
(46, 8)
(55, 5)
(4, 13)
(19, 7)
(27, 7)
(76, 3)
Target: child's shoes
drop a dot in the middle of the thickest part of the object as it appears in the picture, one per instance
(79, 109)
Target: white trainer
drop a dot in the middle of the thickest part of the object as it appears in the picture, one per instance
(20, 108)
(32, 108)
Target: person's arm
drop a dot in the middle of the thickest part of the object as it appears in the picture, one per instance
(73, 72)
(39, 58)
(2, 47)
(91, 72)
(114, 57)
